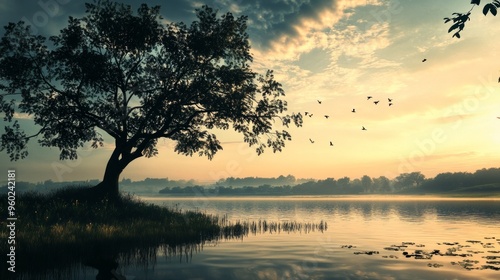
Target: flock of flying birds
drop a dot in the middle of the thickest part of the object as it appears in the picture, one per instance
(389, 100)
(354, 109)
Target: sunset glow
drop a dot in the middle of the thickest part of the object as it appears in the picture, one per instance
(443, 115)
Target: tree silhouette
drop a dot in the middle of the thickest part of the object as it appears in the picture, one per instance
(138, 79)
(409, 180)
(459, 19)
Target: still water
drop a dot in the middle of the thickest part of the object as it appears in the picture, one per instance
(367, 238)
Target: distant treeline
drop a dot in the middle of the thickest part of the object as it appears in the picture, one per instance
(154, 185)
(46, 186)
(483, 180)
(148, 185)
(281, 180)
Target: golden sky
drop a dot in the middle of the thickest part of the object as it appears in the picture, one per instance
(444, 112)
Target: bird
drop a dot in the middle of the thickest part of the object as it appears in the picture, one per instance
(331, 144)
(310, 115)
(424, 60)
(376, 102)
(306, 113)
(353, 110)
(368, 97)
(319, 101)
(326, 116)
(390, 100)
(363, 128)
(390, 104)
(311, 140)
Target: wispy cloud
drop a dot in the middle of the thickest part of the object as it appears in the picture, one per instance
(450, 155)
(453, 119)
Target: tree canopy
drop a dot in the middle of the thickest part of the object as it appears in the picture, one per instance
(137, 79)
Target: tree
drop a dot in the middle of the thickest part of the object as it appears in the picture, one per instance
(382, 184)
(344, 184)
(366, 182)
(138, 79)
(459, 19)
(409, 180)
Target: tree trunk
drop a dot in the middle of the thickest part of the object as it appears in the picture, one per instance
(109, 185)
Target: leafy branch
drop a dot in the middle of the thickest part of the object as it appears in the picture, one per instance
(459, 19)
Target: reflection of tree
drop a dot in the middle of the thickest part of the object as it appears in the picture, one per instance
(64, 257)
(107, 269)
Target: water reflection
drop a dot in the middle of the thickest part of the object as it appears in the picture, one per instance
(319, 208)
(96, 261)
(360, 239)
(104, 259)
(106, 269)
(370, 226)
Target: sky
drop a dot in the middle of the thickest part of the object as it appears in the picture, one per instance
(443, 116)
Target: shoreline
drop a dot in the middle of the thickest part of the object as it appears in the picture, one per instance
(367, 197)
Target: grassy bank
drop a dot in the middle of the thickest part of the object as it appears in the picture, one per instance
(68, 229)
(71, 226)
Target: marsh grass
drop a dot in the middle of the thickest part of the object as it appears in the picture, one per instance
(70, 228)
(70, 225)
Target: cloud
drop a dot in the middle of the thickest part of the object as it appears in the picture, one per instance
(453, 119)
(450, 155)
(329, 55)
(286, 22)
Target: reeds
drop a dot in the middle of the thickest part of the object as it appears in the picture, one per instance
(243, 228)
(63, 230)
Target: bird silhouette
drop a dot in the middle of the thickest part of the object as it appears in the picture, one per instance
(310, 115)
(311, 140)
(368, 97)
(319, 101)
(390, 104)
(306, 113)
(390, 100)
(331, 144)
(376, 102)
(424, 60)
(363, 128)
(353, 110)
(326, 116)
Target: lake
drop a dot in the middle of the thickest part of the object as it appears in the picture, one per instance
(367, 238)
